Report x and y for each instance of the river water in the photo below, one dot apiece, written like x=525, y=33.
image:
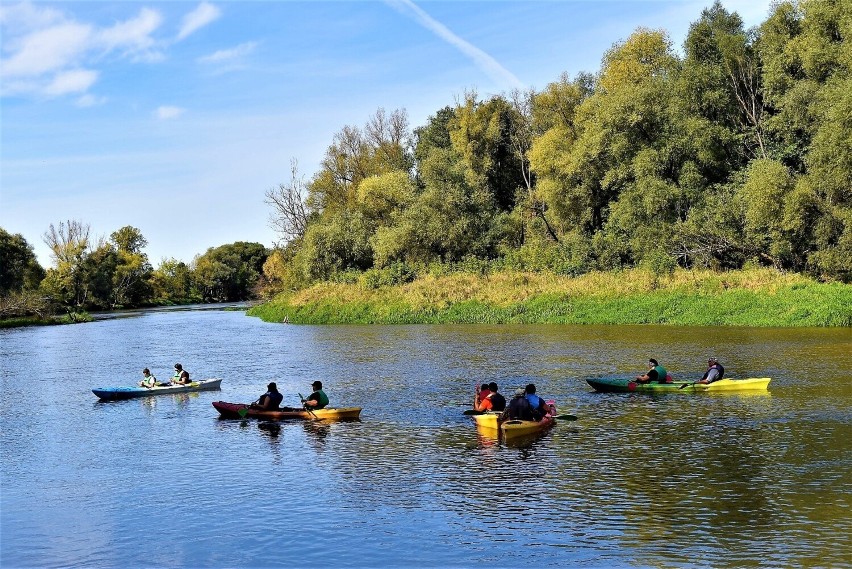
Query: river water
x=677, y=480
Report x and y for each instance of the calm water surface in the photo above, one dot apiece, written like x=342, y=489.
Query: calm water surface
x=679, y=480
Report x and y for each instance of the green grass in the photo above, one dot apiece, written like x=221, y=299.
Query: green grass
x=72, y=318
x=755, y=297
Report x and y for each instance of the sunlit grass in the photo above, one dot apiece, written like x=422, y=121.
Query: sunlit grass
x=754, y=297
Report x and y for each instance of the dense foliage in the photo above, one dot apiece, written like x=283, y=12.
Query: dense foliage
x=737, y=153
x=115, y=273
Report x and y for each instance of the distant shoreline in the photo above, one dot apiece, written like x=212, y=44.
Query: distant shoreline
x=751, y=297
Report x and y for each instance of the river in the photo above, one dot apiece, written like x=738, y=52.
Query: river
x=676, y=480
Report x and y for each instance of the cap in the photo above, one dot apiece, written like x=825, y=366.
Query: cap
x=712, y=359
x=317, y=383
x=520, y=391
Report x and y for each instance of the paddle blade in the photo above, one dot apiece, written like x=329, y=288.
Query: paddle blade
x=473, y=412
x=243, y=412
x=566, y=417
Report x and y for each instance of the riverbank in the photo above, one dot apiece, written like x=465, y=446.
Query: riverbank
x=756, y=297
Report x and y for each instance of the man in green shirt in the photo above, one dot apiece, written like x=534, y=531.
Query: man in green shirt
x=318, y=399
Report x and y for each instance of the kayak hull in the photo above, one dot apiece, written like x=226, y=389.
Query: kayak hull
x=513, y=427
x=622, y=385
x=243, y=411
x=118, y=393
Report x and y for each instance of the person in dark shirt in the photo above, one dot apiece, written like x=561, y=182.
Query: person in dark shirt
x=656, y=373
x=519, y=408
x=269, y=400
x=498, y=402
x=714, y=372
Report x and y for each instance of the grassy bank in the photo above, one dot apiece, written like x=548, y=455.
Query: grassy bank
x=72, y=318
x=758, y=297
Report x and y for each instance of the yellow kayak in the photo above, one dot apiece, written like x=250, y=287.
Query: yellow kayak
x=628, y=385
x=512, y=427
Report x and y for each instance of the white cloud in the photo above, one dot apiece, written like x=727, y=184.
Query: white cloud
x=76, y=81
x=134, y=34
x=198, y=18
x=485, y=62
x=228, y=55
x=167, y=112
x=47, y=53
x=47, y=50
x=89, y=100
x=26, y=17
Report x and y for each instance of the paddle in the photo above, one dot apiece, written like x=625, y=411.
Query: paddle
x=566, y=417
x=243, y=412
x=473, y=412
x=685, y=384
x=307, y=408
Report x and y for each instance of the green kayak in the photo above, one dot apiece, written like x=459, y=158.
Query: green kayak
x=622, y=385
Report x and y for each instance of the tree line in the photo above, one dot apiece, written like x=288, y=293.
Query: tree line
x=736, y=153
x=106, y=274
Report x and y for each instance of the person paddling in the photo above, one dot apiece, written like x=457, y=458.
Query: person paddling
x=498, y=402
x=714, y=372
x=519, y=408
x=482, y=398
x=316, y=400
x=269, y=400
x=148, y=380
x=656, y=373
x=181, y=376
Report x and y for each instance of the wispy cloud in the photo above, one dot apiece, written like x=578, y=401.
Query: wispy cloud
x=166, y=112
x=229, y=55
x=485, y=62
x=89, y=100
x=49, y=54
x=203, y=14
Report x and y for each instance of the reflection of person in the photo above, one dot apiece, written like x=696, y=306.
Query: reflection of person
x=181, y=376
x=318, y=399
x=519, y=408
x=656, y=373
x=269, y=400
x=148, y=380
x=714, y=372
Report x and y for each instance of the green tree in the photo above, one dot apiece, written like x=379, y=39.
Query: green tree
x=19, y=268
x=69, y=244
x=229, y=272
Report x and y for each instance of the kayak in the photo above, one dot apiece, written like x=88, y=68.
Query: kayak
x=622, y=385
x=243, y=411
x=512, y=427
x=115, y=393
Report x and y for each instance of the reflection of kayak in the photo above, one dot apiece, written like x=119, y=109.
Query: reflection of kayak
x=242, y=411
x=622, y=385
x=512, y=427
x=113, y=393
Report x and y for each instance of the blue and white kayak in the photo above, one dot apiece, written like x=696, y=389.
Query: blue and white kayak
x=114, y=393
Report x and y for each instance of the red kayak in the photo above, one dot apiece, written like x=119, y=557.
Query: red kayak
x=243, y=411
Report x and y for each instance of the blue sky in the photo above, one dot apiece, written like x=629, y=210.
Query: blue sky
x=177, y=117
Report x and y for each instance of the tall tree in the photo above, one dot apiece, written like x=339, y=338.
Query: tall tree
x=19, y=268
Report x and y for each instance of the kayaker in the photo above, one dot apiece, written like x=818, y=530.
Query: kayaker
x=148, y=380
x=181, y=376
x=498, y=402
x=269, y=400
x=539, y=407
x=714, y=372
x=656, y=373
x=519, y=408
x=318, y=399
x=482, y=398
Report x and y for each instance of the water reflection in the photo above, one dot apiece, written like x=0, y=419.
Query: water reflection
x=639, y=480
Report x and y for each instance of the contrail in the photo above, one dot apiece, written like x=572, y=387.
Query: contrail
x=485, y=62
